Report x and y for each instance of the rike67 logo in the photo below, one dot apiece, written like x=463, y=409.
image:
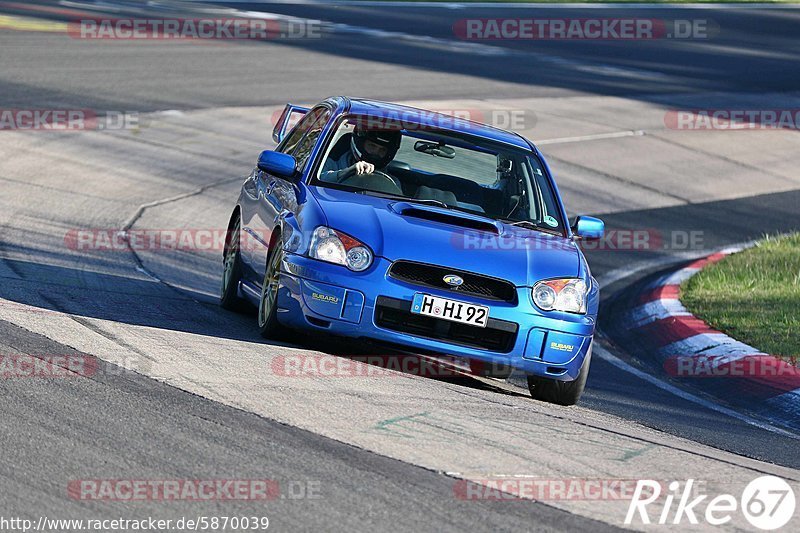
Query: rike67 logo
x=767, y=503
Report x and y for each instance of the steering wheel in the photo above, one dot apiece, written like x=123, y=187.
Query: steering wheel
x=364, y=181
x=383, y=175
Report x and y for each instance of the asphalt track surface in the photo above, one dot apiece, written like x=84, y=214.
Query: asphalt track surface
x=167, y=422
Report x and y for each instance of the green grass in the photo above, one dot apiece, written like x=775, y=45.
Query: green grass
x=753, y=296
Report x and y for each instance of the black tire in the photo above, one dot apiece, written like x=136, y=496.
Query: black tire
x=560, y=392
x=232, y=272
x=268, y=325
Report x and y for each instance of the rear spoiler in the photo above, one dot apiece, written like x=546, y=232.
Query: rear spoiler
x=282, y=125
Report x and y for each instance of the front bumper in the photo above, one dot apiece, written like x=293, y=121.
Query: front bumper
x=324, y=297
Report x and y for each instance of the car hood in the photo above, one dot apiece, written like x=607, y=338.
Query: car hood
x=396, y=229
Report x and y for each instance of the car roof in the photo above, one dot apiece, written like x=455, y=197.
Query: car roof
x=361, y=106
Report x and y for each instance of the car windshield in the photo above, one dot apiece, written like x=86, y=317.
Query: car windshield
x=444, y=168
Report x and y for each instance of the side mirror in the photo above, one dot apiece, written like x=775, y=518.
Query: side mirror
x=588, y=228
x=277, y=164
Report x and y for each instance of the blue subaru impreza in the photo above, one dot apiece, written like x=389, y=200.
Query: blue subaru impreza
x=419, y=230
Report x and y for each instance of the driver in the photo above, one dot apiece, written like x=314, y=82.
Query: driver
x=370, y=150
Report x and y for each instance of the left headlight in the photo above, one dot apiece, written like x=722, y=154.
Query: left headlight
x=339, y=248
x=568, y=295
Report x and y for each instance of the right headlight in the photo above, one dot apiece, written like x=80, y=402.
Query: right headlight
x=568, y=295
x=339, y=248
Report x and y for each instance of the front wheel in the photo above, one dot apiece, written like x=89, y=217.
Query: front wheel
x=268, y=324
x=232, y=272
x=560, y=392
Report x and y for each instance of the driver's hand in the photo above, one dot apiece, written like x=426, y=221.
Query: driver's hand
x=362, y=167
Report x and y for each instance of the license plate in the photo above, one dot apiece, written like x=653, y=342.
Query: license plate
x=474, y=315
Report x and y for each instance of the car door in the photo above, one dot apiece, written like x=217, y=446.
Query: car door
x=275, y=195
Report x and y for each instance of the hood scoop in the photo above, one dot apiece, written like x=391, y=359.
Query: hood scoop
x=445, y=216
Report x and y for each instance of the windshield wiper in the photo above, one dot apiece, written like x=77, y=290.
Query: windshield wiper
x=426, y=201
x=380, y=194
x=430, y=201
x=529, y=224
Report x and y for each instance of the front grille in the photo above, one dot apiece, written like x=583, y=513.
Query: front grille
x=474, y=284
x=498, y=335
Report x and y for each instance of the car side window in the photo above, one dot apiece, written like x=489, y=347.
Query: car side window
x=296, y=133
x=313, y=120
x=300, y=129
x=303, y=149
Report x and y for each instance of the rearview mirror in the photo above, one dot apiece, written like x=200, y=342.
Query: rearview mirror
x=277, y=164
x=588, y=228
x=435, y=149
